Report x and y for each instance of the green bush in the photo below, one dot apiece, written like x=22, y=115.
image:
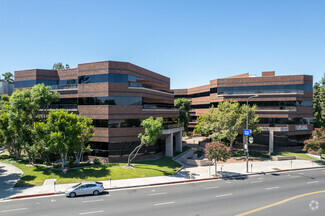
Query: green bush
x=199, y=153
x=97, y=161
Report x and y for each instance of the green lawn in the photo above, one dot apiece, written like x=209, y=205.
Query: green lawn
x=240, y=153
x=35, y=175
x=298, y=154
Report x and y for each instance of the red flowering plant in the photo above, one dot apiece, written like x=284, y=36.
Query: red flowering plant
x=216, y=151
x=317, y=142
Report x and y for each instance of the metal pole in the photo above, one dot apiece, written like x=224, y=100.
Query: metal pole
x=247, y=136
x=110, y=181
x=247, y=128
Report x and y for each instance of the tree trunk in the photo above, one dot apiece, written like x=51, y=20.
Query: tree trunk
x=215, y=168
x=135, y=152
x=63, y=159
x=231, y=144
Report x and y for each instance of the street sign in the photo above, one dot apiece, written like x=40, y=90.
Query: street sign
x=250, y=139
x=247, y=132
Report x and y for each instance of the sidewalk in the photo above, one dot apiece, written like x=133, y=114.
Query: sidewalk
x=198, y=173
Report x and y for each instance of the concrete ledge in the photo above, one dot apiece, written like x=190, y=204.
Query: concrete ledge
x=279, y=158
x=197, y=162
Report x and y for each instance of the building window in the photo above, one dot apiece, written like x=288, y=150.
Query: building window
x=111, y=100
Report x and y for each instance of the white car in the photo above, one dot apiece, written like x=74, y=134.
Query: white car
x=85, y=188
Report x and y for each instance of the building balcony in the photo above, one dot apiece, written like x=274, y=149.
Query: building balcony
x=153, y=89
x=276, y=109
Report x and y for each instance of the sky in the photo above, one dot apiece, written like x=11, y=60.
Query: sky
x=190, y=41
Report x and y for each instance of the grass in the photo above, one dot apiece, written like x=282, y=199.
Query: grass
x=35, y=175
x=185, y=148
x=199, y=153
x=240, y=153
x=298, y=154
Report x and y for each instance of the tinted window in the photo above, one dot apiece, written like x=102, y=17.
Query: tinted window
x=110, y=77
x=265, y=89
x=110, y=100
x=31, y=83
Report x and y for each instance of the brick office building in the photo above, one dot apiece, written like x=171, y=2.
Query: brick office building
x=285, y=105
x=117, y=96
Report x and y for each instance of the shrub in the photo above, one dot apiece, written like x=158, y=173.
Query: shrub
x=97, y=161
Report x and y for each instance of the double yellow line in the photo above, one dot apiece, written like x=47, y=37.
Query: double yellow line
x=280, y=202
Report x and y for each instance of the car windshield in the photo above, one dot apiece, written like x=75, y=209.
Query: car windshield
x=76, y=185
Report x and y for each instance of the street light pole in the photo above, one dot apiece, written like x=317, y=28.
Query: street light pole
x=246, y=149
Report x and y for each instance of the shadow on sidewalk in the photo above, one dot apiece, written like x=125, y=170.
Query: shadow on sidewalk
x=226, y=175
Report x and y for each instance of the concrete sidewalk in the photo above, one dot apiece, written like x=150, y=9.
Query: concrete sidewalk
x=198, y=173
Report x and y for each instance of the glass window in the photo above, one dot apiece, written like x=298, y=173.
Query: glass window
x=111, y=100
x=109, y=77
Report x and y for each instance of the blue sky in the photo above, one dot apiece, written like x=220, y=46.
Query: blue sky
x=191, y=42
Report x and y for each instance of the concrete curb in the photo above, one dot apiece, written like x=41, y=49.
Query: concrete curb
x=174, y=182
x=275, y=171
x=31, y=195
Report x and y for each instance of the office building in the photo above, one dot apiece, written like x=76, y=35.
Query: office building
x=117, y=96
x=285, y=106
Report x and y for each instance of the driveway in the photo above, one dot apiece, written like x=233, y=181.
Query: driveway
x=9, y=175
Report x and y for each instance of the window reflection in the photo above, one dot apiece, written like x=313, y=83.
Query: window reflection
x=110, y=100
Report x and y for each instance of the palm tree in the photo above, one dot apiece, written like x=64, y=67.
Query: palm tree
x=8, y=78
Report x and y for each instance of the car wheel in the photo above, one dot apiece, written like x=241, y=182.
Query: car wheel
x=73, y=194
x=96, y=192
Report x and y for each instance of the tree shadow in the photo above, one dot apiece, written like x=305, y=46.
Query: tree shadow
x=82, y=173
x=22, y=182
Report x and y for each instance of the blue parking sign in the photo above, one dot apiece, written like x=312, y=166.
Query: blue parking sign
x=247, y=132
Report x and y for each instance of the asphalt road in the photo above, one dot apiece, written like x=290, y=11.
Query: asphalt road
x=290, y=193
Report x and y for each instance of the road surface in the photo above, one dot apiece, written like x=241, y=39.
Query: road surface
x=285, y=193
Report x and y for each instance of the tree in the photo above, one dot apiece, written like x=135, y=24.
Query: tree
x=62, y=130
x=60, y=66
x=85, y=132
x=43, y=97
x=7, y=135
x=318, y=118
x=216, y=151
x=184, y=106
x=8, y=78
x=153, y=129
x=66, y=133
x=230, y=118
x=19, y=113
x=317, y=142
x=208, y=125
x=227, y=121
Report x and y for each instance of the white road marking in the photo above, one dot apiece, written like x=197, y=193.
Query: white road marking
x=228, y=182
x=253, y=182
x=207, y=188
x=94, y=212
x=301, y=173
x=260, y=178
x=222, y=195
x=294, y=176
x=312, y=182
x=10, y=210
x=271, y=188
x=89, y=201
x=166, y=203
x=158, y=194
